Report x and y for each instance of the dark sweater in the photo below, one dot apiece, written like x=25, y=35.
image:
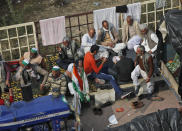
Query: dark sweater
x=124, y=67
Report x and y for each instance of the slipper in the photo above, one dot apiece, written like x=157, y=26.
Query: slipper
x=119, y=109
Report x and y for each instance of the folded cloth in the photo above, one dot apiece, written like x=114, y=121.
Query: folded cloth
x=108, y=14
x=134, y=10
x=121, y=9
x=52, y=30
x=135, y=40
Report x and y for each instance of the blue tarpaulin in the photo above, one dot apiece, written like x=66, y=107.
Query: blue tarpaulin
x=39, y=110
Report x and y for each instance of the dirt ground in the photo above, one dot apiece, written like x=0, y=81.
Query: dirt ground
x=34, y=10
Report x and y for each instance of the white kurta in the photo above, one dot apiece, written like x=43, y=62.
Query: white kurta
x=150, y=85
x=87, y=42
x=145, y=43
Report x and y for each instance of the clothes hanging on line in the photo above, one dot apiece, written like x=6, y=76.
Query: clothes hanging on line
x=134, y=10
x=52, y=30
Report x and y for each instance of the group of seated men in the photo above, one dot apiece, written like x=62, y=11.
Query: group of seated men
x=114, y=67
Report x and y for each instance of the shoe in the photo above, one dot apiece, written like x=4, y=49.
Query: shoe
x=97, y=111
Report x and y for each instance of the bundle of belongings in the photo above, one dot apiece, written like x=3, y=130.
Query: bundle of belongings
x=174, y=65
x=164, y=120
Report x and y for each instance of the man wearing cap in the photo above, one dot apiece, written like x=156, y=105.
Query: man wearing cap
x=57, y=82
x=34, y=57
x=32, y=73
x=150, y=39
x=67, y=53
x=130, y=29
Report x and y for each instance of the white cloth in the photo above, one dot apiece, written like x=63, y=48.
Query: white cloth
x=70, y=67
x=104, y=96
x=160, y=3
x=134, y=10
x=52, y=30
x=87, y=42
x=76, y=99
x=145, y=43
x=102, y=53
x=118, y=47
x=135, y=40
x=135, y=48
x=134, y=76
x=115, y=59
x=108, y=14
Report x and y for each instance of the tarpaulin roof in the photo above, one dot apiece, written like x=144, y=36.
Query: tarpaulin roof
x=164, y=120
x=36, y=111
x=173, y=19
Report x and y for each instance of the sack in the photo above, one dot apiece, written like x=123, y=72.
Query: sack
x=104, y=96
x=27, y=92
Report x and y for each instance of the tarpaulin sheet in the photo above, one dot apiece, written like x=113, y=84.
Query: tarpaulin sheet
x=35, y=111
x=165, y=120
x=173, y=19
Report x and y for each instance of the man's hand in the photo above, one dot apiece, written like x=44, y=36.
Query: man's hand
x=111, y=44
x=147, y=80
x=104, y=60
x=10, y=92
x=150, y=52
x=41, y=86
x=59, y=49
x=7, y=83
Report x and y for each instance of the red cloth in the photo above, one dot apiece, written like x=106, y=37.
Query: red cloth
x=10, y=100
x=90, y=64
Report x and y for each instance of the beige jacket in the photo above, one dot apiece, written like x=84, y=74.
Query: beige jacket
x=125, y=31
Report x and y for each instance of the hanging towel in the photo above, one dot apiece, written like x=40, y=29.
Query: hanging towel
x=52, y=30
x=121, y=9
x=160, y=3
x=134, y=10
x=108, y=14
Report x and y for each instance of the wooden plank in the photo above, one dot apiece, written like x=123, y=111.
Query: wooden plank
x=167, y=74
